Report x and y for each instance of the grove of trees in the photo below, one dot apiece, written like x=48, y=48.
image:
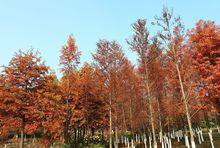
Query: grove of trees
x=175, y=86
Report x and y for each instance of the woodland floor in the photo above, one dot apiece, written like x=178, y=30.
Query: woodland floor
x=205, y=144
x=175, y=144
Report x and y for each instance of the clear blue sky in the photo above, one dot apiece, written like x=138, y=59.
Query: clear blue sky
x=45, y=24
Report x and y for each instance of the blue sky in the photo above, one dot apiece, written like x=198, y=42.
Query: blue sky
x=45, y=24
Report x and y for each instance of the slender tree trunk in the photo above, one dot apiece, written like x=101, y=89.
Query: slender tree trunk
x=185, y=101
x=130, y=116
x=160, y=120
x=22, y=131
x=116, y=137
x=116, y=131
x=84, y=131
x=144, y=129
x=67, y=122
x=206, y=119
x=151, y=116
x=75, y=134
x=116, y=127
x=168, y=117
x=66, y=130
x=79, y=133
x=102, y=135
x=124, y=120
x=146, y=81
x=110, y=121
x=152, y=125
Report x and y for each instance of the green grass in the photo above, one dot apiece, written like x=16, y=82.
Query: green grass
x=96, y=146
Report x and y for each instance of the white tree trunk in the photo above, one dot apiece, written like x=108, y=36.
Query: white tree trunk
x=210, y=137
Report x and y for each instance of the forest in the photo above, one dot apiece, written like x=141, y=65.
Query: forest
x=170, y=98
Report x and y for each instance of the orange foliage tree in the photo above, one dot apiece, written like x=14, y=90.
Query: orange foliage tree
x=21, y=79
x=204, y=41
x=140, y=44
x=93, y=99
x=109, y=59
x=69, y=60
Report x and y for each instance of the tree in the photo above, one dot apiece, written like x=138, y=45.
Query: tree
x=204, y=42
x=92, y=99
x=140, y=44
x=22, y=78
x=69, y=60
x=130, y=103
x=51, y=107
x=173, y=37
x=109, y=58
x=157, y=77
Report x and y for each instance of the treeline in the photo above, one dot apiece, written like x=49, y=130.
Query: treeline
x=176, y=85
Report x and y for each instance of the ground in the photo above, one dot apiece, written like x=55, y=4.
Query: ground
x=206, y=144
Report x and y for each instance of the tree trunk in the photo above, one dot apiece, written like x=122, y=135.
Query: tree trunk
x=146, y=83
x=66, y=130
x=102, y=135
x=22, y=132
x=116, y=127
x=124, y=120
x=151, y=116
x=152, y=126
x=110, y=121
x=67, y=122
x=79, y=133
x=116, y=137
x=160, y=121
x=206, y=119
x=83, y=133
x=75, y=132
x=186, y=108
x=130, y=116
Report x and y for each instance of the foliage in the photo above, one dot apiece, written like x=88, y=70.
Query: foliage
x=176, y=82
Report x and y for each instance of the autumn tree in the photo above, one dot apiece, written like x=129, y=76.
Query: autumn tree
x=109, y=58
x=157, y=76
x=140, y=44
x=92, y=99
x=22, y=78
x=69, y=60
x=51, y=108
x=204, y=41
x=131, y=108
x=172, y=36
